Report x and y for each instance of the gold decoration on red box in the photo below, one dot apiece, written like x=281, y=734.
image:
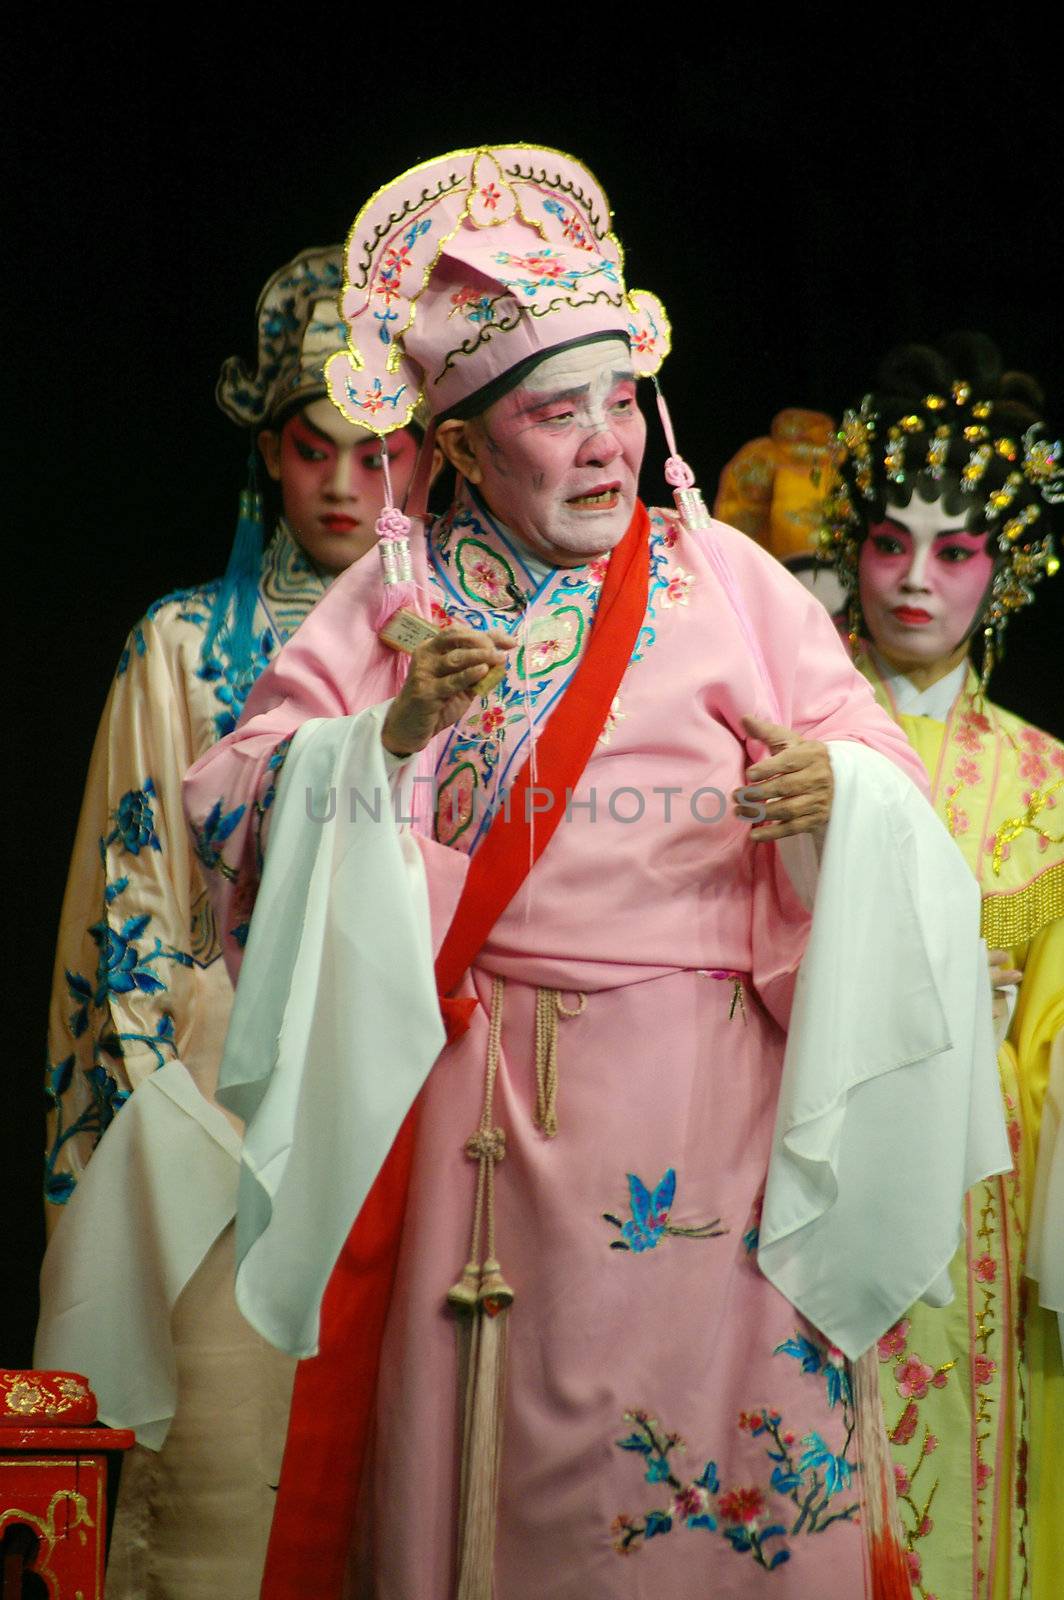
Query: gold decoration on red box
x=56, y=1397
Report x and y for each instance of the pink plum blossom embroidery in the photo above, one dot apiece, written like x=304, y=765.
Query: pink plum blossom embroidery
x=986, y=1269
x=969, y=734
x=913, y=1377
x=983, y=1370
x=966, y=771
x=906, y=1425
x=1033, y=768
x=893, y=1341
x=677, y=589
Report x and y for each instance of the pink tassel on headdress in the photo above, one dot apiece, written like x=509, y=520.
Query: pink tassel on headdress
x=695, y=518
x=678, y=475
x=400, y=623
x=393, y=547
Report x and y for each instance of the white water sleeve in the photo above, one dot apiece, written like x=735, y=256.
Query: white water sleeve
x=889, y=1106
x=109, y=1285
x=336, y=1022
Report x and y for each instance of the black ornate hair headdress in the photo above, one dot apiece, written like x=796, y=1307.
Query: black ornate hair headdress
x=1009, y=481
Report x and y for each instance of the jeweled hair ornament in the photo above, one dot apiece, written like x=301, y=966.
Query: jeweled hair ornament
x=1011, y=486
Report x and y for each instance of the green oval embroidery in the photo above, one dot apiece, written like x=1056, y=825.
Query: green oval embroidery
x=455, y=803
x=553, y=642
x=484, y=575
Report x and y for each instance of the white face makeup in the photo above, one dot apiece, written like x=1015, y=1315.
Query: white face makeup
x=558, y=457
x=922, y=579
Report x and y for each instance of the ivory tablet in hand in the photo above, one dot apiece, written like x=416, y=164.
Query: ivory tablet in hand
x=405, y=630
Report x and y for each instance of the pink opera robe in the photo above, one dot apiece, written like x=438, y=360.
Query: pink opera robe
x=672, y=1425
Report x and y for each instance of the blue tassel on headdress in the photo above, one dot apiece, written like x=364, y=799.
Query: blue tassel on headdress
x=234, y=604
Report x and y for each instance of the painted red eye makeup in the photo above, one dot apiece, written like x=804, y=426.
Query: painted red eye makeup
x=309, y=439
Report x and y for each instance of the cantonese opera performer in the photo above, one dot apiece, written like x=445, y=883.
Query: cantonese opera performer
x=139, y=1154
x=940, y=528
x=599, y=1250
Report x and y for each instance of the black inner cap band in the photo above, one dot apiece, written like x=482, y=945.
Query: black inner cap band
x=478, y=402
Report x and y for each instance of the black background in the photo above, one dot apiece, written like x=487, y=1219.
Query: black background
x=799, y=204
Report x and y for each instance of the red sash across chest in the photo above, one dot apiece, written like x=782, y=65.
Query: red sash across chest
x=333, y=1399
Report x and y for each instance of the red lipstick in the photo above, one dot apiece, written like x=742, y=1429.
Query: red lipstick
x=911, y=615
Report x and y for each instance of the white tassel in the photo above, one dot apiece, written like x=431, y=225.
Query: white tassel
x=481, y=1454
x=884, y=1537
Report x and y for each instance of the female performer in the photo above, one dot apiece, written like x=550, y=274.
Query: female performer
x=941, y=528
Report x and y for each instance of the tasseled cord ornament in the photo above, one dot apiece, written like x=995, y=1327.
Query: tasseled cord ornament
x=399, y=593
x=678, y=475
x=238, y=591
x=692, y=512
x=888, y=1564
x=482, y=1298
x=400, y=624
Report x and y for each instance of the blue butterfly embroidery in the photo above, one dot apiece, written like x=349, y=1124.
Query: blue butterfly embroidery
x=649, y=1221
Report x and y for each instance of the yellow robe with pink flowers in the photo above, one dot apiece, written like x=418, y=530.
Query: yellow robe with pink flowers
x=975, y=1394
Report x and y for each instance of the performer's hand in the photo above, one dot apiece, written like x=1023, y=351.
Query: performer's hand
x=795, y=781
x=441, y=685
x=1003, y=975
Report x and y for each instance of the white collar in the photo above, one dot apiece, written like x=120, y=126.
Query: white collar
x=936, y=701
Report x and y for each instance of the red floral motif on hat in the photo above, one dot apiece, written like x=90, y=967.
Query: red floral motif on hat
x=422, y=241
x=543, y=263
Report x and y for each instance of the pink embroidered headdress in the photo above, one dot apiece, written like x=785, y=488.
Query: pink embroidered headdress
x=467, y=267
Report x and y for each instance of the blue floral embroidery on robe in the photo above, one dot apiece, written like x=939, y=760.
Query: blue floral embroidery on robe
x=134, y=822
x=211, y=837
x=807, y=1473
x=231, y=688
